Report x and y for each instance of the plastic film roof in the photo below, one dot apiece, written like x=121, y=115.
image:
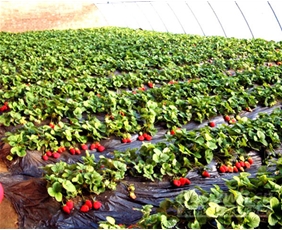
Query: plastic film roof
x=240, y=19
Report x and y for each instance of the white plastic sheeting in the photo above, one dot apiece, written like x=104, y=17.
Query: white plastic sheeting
x=229, y=18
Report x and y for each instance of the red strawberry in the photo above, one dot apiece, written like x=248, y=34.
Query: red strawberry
x=212, y=124
x=151, y=84
x=3, y=108
x=97, y=204
x=247, y=164
x=177, y=183
x=84, y=146
x=92, y=146
x=124, y=140
x=147, y=136
x=52, y=125
x=45, y=157
x=182, y=181
x=172, y=82
x=66, y=209
x=250, y=160
x=1, y=193
x=60, y=150
x=227, y=118
x=237, y=164
x=141, y=138
x=84, y=208
x=56, y=155
x=49, y=153
x=88, y=203
x=69, y=203
x=72, y=150
x=205, y=173
x=101, y=148
x=235, y=169
x=222, y=169
x=77, y=151
x=172, y=132
x=230, y=169
x=187, y=181
x=97, y=144
x=242, y=163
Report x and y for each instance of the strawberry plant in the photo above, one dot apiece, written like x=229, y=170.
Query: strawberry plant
x=68, y=180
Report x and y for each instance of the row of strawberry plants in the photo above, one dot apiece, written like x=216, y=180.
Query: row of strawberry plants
x=133, y=80
x=248, y=203
x=186, y=150
x=35, y=94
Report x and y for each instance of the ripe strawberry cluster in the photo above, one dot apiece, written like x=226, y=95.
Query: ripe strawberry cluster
x=68, y=206
x=180, y=182
x=4, y=107
x=88, y=205
x=239, y=166
x=144, y=136
x=126, y=140
x=96, y=145
x=55, y=154
x=73, y=150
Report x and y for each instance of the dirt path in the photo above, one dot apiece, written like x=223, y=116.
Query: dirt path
x=25, y=15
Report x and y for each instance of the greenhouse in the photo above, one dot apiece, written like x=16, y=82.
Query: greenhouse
x=140, y=114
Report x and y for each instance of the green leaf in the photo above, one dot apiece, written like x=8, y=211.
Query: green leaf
x=272, y=219
x=274, y=202
x=252, y=220
x=55, y=191
x=214, y=210
x=78, y=113
x=111, y=220
x=168, y=223
x=68, y=135
x=19, y=151
x=194, y=225
x=191, y=200
x=211, y=145
x=68, y=185
x=208, y=156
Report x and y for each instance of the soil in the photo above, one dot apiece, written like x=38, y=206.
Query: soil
x=26, y=15
x=34, y=15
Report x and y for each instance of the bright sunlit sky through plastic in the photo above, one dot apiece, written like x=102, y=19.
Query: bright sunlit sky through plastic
x=229, y=18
